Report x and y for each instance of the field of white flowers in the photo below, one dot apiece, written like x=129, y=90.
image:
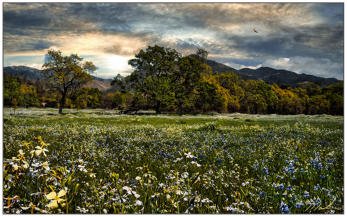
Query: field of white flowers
x=96, y=161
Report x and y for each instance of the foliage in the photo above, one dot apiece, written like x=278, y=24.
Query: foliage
x=165, y=81
x=86, y=97
x=66, y=73
x=153, y=71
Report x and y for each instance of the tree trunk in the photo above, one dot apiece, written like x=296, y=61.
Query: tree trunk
x=62, y=103
x=157, y=107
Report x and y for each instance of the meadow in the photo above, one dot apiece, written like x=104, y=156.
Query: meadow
x=96, y=161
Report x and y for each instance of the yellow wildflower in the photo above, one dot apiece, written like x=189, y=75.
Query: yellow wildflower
x=56, y=198
x=40, y=150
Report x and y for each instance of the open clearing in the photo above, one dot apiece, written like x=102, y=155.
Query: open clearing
x=96, y=161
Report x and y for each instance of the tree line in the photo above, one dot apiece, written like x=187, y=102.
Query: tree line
x=165, y=81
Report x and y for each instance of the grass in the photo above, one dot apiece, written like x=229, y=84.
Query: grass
x=102, y=162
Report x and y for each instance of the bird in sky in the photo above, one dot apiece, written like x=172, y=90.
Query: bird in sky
x=255, y=30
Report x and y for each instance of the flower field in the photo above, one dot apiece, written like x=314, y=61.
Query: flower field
x=95, y=161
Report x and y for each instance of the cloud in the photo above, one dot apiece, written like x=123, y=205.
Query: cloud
x=281, y=63
x=251, y=67
x=30, y=61
x=83, y=44
x=322, y=67
x=311, y=32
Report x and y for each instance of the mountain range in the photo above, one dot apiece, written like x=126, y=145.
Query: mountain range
x=32, y=74
x=267, y=74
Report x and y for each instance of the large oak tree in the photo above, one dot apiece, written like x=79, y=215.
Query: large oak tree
x=66, y=73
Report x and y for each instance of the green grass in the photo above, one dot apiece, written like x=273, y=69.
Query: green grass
x=230, y=163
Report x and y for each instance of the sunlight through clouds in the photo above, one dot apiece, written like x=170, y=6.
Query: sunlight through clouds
x=247, y=34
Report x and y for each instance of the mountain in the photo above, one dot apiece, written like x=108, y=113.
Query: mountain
x=284, y=77
x=32, y=74
x=23, y=72
x=267, y=74
x=100, y=83
x=270, y=75
x=219, y=67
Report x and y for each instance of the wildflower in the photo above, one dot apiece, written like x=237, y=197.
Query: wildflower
x=15, y=167
x=138, y=178
x=262, y=194
x=56, y=198
x=179, y=192
x=82, y=210
x=189, y=155
x=289, y=188
x=35, y=164
x=26, y=208
x=285, y=193
x=299, y=205
x=135, y=194
x=231, y=208
x=193, y=162
x=25, y=164
x=42, y=142
x=45, y=165
x=206, y=200
x=128, y=189
x=138, y=203
x=285, y=170
x=27, y=145
x=309, y=202
x=39, y=150
x=317, y=201
x=306, y=194
x=21, y=152
x=92, y=175
x=177, y=159
x=245, y=183
x=284, y=208
x=291, y=168
x=82, y=168
x=105, y=211
x=256, y=165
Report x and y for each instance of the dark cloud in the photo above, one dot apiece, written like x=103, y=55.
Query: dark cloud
x=38, y=45
x=317, y=42
x=32, y=18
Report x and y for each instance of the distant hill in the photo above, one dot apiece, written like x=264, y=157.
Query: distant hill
x=270, y=75
x=23, y=72
x=267, y=74
x=32, y=74
x=284, y=77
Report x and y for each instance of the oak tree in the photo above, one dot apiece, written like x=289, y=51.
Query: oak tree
x=66, y=74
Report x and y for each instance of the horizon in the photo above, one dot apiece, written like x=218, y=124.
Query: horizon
x=305, y=38
x=110, y=78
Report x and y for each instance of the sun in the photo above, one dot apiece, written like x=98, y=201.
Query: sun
x=117, y=63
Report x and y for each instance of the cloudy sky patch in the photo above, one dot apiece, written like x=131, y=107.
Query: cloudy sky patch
x=301, y=37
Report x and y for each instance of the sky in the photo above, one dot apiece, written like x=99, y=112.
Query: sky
x=300, y=37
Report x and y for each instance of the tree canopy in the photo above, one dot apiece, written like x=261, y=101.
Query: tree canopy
x=66, y=73
x=165, y=81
